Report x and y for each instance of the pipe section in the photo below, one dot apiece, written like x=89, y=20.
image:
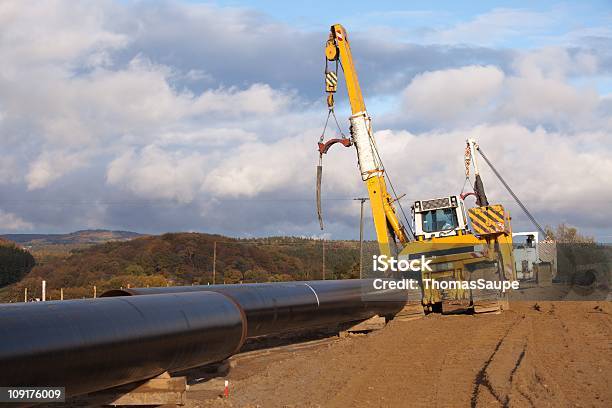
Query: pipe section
x=95, y=344
x=275, y=308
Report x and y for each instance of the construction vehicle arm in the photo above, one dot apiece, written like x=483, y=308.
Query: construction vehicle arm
x=386, y=221
x=479, y=192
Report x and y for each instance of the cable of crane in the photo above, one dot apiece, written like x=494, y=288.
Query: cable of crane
x=397, y=199
x=375, y=148
x=518, y=201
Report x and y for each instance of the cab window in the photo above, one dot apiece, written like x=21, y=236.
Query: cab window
x=443, y=219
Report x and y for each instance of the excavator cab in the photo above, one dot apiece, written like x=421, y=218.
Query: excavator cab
x=439, y=217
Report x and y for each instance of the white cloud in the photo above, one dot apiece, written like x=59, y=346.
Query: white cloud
x=256, y=168
x=258, y=99
x=212, y=137
x=12, y=222
x=494, y=26
x=154, y=173
x=541, y=90
x=50, y=166
x=537, y=93
x=40, y=33
x=551, y=172
x=554, y=63
x=138, y=102
x=452, y=94
x=547, y=101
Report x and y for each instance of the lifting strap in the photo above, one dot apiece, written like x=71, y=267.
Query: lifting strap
x=319, y=176
x=323, y=148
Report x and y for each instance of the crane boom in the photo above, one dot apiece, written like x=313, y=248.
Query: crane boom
x=386, y=221
x=458, y=245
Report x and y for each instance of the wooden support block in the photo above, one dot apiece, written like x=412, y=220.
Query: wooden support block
x=455, y=306
x=412, y=311
x=156, y=391
x=161, y=390
x=373, y=323
x=487, y=306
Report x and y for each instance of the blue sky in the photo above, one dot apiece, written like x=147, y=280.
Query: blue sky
x=551, y=19
x=177, y=115
x=438, y=14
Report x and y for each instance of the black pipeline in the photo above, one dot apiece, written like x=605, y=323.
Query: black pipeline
x=95, y=344
x=274, y=308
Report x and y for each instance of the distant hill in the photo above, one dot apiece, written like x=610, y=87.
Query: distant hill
x=77, y=237
x=187, y=258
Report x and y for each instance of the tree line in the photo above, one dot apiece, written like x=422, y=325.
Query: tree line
x=185, y=259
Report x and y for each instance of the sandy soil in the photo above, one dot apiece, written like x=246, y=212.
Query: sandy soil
x=549, y=354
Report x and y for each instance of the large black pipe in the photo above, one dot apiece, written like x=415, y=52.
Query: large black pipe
x=274, y=308
x=95, y=344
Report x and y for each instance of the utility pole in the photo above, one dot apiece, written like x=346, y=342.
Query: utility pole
x=323, y=243
x=362, y=200
x=214, y=262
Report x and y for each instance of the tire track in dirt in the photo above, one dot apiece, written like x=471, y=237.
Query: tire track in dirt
x=498, y=372
x=556, y=356
x=572, y=338
x=482, y=378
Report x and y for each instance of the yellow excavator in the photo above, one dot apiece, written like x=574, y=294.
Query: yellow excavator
x=461, y=244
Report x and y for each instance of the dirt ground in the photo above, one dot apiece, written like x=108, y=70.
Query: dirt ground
x=545, y=354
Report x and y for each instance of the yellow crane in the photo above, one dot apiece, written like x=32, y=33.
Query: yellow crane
x=372, y=171
x=462, y=245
